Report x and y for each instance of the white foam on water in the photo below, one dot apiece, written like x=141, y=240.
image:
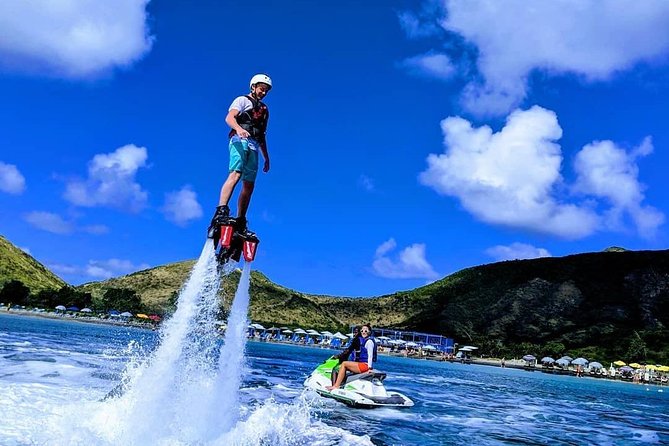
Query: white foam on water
x=187, y=392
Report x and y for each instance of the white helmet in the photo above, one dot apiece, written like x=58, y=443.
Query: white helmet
x=265, y=79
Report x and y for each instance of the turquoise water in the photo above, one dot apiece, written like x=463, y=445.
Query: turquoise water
x=51, y=369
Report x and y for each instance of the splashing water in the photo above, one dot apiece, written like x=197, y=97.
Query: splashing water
x=188, y=390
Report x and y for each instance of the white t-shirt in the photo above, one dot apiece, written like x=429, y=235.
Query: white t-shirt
x=242, y=104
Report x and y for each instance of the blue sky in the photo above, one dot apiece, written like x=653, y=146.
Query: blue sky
x=408, y=140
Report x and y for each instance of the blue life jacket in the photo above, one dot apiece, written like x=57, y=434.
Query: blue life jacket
x=363, y=350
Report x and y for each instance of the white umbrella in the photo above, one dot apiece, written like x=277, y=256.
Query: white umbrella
x=412, y=344
x=562, y=362
x=126, y=314
x=61, y=308
x=547, y=359
x=287, y=331
x=596, y=365
x=299, y=331
x=339, y=336
x=529, y=358
x=327, y=334
x=429, y=347
x=313, y=332
x=86, y=310
x=580, y=361
x=568, y=358
x=383, y=338
x=257, y=326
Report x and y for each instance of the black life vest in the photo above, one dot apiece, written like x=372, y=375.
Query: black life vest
x=254, y=120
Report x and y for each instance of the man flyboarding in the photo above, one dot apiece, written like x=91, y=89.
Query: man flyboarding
x=247, y=118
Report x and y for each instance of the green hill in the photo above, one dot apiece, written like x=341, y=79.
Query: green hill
x=16, y=264
x=601, y=305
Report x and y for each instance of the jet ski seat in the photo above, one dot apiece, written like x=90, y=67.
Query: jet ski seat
x=366, y=375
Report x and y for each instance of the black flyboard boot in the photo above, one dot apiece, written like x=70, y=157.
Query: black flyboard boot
x=222, y=212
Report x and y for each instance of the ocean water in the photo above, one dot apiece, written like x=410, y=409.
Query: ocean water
x=64, y=382
x=54, y=375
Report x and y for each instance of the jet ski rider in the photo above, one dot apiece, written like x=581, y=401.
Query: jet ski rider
x=364, y=361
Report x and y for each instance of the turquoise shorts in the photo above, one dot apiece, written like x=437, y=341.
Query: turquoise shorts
x=243, y=159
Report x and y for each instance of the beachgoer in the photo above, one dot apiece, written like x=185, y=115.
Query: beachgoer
x=352, y=352
x=365, y=360
x=247, y=117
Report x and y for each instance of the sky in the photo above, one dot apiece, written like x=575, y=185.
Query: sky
x=408, y=139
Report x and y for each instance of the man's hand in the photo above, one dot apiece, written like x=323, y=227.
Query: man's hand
x=265, y=168
x=242, y=133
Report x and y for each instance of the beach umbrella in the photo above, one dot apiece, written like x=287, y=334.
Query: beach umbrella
x=340, y=336
x=313, y=332
x=619, y=363
x=548, y=360
x=568, y=358
x=61, y=308
x=327, y=334
x=635, y=365
x=73, y=308
x=126, y=314
x=257, y=326
x=412, y=344
x=663, y=368
x=579, y=361
x=529, y=358
x=287, y=331
x=273, y=329
x=469, y=348
x=154, y=317
x=140, y=315
x=562, y=362
x=651, y=367
x=625, y=368
x=114, y=312
x=596, y=365
x=429, y=347
x=86, y=310
x=299, y=331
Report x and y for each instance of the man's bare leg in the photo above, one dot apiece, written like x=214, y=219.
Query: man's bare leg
x=244, y=198
x=229, y=187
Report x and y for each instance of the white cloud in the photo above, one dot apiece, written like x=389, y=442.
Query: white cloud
x=182, y=206
x=111, y=181
x=73, y=38
x=96, y=229
x=98, y=269
x=513, y=177
x=54, y=223
x=62, y=269
x=11, y=180
x=366, y=183
x=105, y=269
x=508, y=178
x=609, y=172
x=516, y=251
x=50, y=222
x=593, y=39
x=410, y=263
x=435, y=65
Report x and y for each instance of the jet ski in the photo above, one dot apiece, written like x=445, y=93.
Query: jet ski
x=364, y=390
